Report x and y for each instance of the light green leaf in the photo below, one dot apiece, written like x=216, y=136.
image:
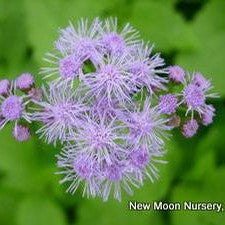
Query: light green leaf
x=39, y=211
x=209, y=28
x=13, y=38
x=22, y=164
x=9, y=201
x=112, y=212
x=159, y=23
x=210, y=190
x=44, y=17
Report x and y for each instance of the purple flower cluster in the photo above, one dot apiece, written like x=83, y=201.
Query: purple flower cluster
x=110, y=102
x=113, y=152
x=111, y=142
x=15, y=96
x=192, y=99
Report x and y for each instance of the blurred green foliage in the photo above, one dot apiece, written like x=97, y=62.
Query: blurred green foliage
x=188, y=32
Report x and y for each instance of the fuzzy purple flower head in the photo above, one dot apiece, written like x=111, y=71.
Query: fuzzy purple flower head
x=13, y=107
x=4, y=87
x=176, y=73
x=25, y=81
x=207, y=116
x=168, y=103
x=60, y=111
x=21, y=133
x=190, y=128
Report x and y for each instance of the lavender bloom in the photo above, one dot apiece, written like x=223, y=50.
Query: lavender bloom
x=176, y=73
x=147, y=127
x=98, y=137
x=168, y=104
x=104, y=107
x=69, y=66
x=117, y=178
x=79, y=168
x=145, y=69
x=141, y=163
x=64, y=68
x=21, y=133
x=194, y=98
x=207, y=116
x=190, y=128
x=200, y=81
x=99, y=178
x=83, y=40
x=111, y=80
x=4, y=87
x=139, y=158
x=117, y=42
x=195, y=95
x=73, y=48
x=60, y=111
x=25, y=81
x=13, y=107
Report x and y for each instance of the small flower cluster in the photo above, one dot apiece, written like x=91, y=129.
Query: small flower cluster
x=111, y=103
x=15, y=98
x=196, y=90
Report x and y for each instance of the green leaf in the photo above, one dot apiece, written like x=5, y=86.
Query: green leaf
x=39, y=211
x=208, y=151
x=211, y=190
x=202, y=167
x=112, y=212
x=159, y=23
x=13, y=38
x=9, y=202
x=22, y=165
x=44, y=17
x=209, y=28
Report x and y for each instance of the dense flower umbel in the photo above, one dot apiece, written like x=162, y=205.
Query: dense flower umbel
x=120, y=139
x=110, y=103
x=94, y=156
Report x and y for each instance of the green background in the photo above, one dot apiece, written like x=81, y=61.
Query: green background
x=187, y=32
